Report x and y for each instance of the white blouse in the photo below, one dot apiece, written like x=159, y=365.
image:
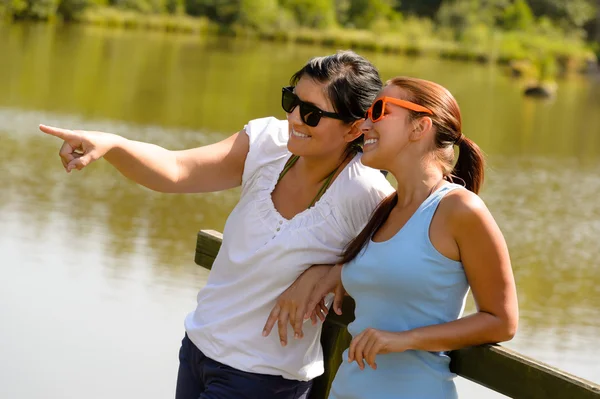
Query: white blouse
x=263, y=254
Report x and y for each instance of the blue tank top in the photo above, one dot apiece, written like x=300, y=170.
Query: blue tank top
x=398, y=285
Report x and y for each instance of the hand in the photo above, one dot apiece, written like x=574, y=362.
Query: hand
x=371, y=342
x=291, y=304
x=331, y=283
x=80, y=148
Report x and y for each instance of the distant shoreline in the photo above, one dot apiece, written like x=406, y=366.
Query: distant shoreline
x=504, y=48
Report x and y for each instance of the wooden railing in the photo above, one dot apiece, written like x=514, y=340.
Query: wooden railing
x=492, y=366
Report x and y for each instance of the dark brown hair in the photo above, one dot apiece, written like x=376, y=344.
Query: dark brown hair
x=448, y=132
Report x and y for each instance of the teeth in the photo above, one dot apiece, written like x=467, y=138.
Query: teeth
x=301, y=135
x=370, y=141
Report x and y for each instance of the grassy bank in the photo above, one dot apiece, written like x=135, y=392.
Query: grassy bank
x=413, y=36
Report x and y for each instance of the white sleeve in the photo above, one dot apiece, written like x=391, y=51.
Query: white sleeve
x=361, y=197
x=268, y=142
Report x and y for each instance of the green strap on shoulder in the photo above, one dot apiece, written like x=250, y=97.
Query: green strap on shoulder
x=288, y=165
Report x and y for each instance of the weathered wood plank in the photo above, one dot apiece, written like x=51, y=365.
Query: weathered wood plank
x=207, y=247
x=492, y=366
x=518, y=376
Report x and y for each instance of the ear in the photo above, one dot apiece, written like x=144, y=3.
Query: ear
x=421, y=127
x=354, y=132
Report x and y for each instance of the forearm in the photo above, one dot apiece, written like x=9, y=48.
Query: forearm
x=146, y=164
x=477, y=329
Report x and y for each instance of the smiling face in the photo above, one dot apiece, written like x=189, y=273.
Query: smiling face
x=396, y=135
x=330, y=136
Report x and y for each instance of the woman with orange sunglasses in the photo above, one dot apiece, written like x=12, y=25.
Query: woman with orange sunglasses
x=305, y=195
x=410, y=268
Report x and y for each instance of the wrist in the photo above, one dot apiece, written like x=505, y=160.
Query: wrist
x=412, y=339
x=318, y=270
x=115, y=142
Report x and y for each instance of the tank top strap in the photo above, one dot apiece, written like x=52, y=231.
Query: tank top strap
x=425, y=213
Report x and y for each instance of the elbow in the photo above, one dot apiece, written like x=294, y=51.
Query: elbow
x=501, y=328
x=506, y=330
x=508, y=333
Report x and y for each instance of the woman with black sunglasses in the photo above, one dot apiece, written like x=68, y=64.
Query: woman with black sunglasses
x=411, y=267
x=305, y=195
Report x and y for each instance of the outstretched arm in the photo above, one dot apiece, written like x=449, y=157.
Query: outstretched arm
x=213, y=167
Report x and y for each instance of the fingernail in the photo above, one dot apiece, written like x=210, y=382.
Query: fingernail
x=264, y=333
x=283, y=343
x=296, y=335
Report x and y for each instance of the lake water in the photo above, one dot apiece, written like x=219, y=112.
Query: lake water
x=97, y=274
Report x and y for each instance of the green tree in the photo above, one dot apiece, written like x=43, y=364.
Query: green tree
x=68, y=9
x=42, y=9
x=462, y=15
x=342, y=9
x=312, y=13
x=364, y=13
x=569, y=13
x=424, y=8
x=598, y=21
x=259, y=13
x=224, y=12
x=14, y=8
x=518, y=16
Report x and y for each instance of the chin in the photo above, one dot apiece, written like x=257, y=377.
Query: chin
x=369, y=160
x=373, y=163
x=300, y=149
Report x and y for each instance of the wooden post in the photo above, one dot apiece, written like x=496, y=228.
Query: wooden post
x=492, y=366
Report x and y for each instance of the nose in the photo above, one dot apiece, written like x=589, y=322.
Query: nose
x=366, y=125
x=294, y=116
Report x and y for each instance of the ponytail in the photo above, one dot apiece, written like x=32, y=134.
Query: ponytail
x=470, y=164
x=380, y=215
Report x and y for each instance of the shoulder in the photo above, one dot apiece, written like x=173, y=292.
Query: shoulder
x=359, y=179
x=358, y=193
x=269, y=129
x=463, y=209
x=268, y=138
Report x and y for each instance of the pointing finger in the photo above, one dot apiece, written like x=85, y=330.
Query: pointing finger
x=63, y=134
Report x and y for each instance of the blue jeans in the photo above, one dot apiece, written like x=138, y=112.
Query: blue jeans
x=200, y=377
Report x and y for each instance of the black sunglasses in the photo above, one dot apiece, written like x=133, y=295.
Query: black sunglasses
x=310, y=114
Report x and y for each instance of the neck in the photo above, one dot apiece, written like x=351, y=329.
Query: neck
x=316, y=169
x=416, y=182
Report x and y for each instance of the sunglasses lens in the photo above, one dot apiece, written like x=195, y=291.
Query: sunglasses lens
x=377, y=110
x=288, y=101
x=309, y=115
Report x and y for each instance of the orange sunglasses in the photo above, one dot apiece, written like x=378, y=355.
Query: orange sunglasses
x=375, y=112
